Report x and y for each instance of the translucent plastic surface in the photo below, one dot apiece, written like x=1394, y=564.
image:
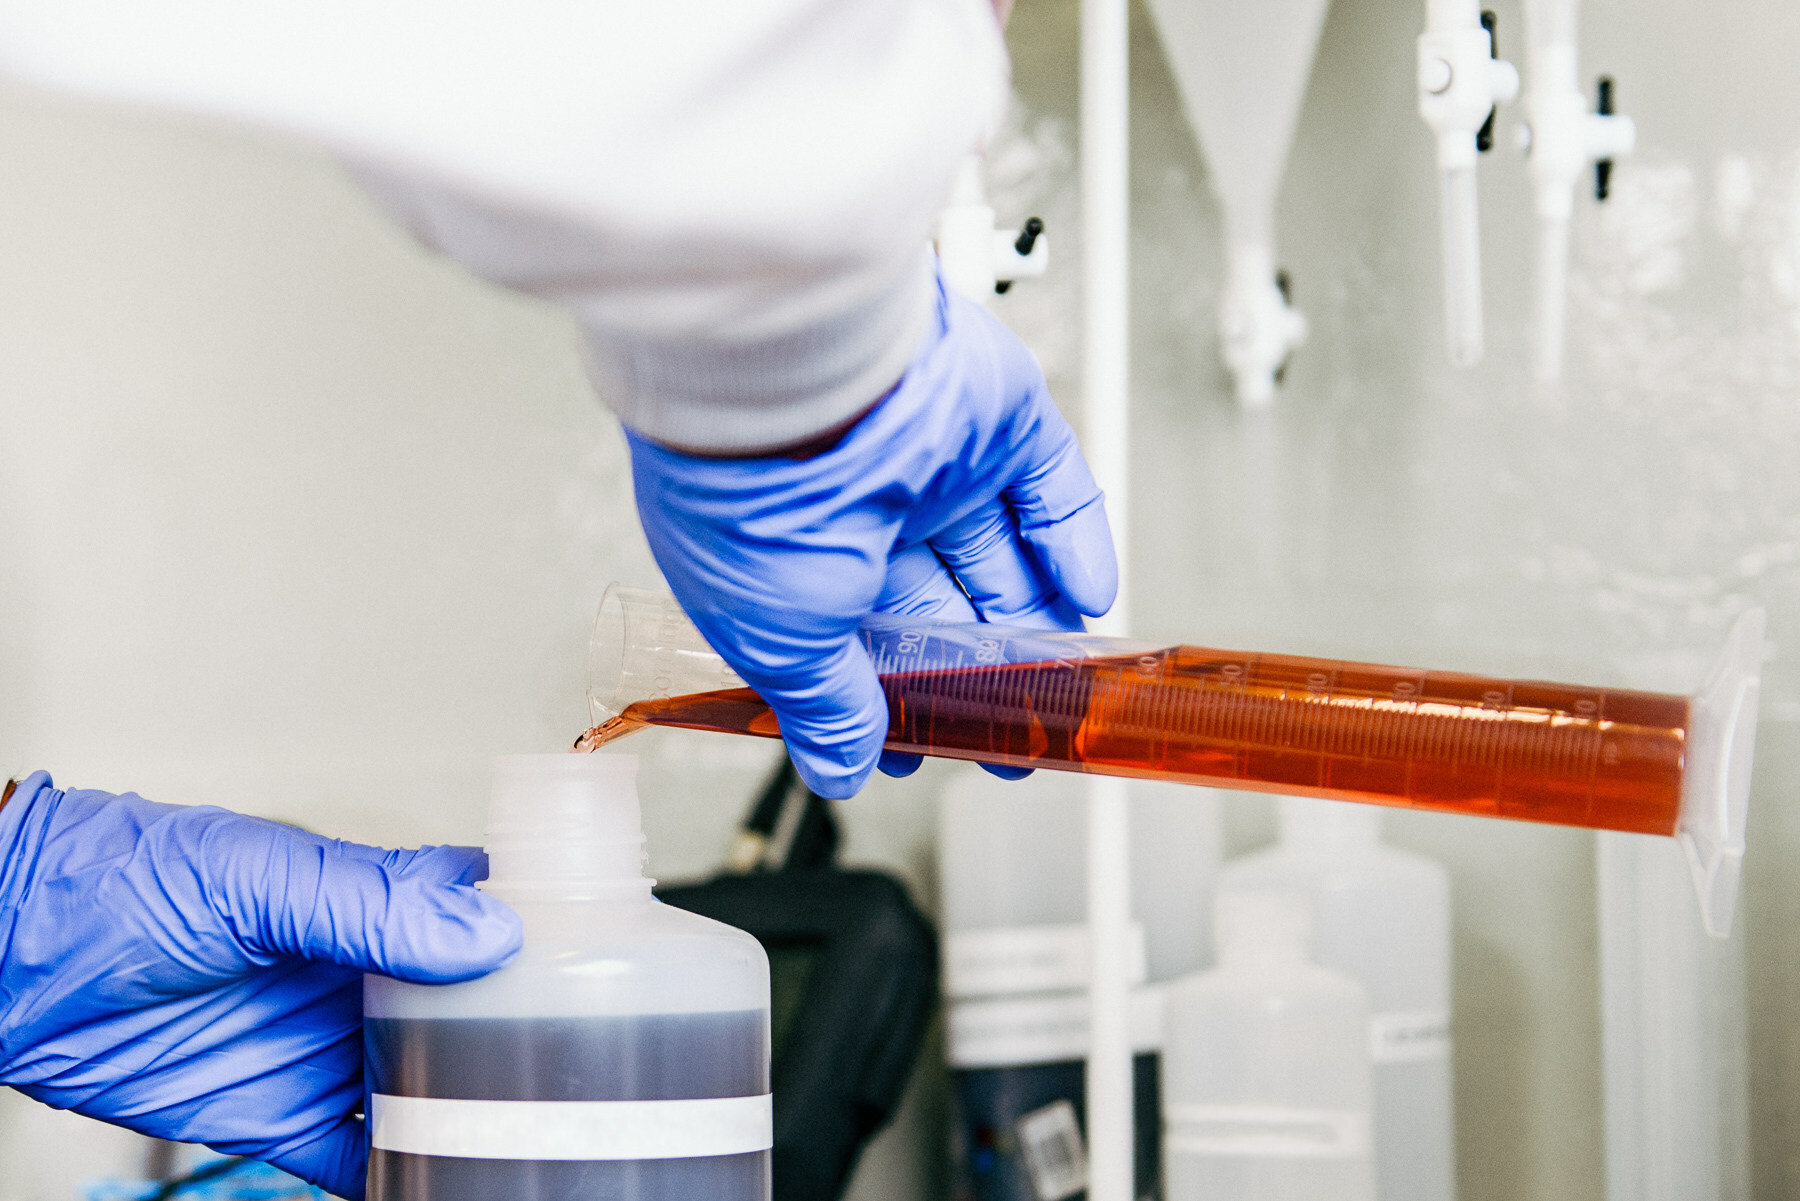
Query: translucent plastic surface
x=1265, y=1073
x=1672, y=1014
x=1010, y=853
x=614, y=997
x=1176, y=848
x=1382, y=917
x=1551, y=283
x=1461, y=222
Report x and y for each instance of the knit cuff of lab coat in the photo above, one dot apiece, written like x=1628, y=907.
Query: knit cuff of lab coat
x=766, y=388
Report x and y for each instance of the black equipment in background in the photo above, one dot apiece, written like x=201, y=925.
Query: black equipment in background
x=854, y=974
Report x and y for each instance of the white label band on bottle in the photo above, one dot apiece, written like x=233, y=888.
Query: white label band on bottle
x=571, y=1130
x=1008, y=960
x=1266, y=1132
x=1409, y=1037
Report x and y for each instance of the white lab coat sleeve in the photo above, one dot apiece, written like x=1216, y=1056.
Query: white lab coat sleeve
x=733, y=196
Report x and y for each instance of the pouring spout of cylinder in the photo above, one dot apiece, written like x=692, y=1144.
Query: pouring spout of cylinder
x=1715, y=791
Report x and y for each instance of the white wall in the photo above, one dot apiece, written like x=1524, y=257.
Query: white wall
x=295, y=519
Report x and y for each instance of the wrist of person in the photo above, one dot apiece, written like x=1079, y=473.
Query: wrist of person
x=16, y=800
x=802, y=380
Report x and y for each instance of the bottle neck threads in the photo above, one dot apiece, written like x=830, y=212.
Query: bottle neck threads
x=565, y=828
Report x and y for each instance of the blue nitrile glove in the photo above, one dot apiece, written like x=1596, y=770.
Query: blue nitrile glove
x=963, y=480
x=196, y=974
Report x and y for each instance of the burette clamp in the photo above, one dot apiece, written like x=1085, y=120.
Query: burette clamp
x=979, y=259
x=1460, y=82
x=1715, y=783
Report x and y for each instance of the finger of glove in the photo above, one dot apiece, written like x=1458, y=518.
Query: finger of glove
x=919, y=585
x=833, y=716
x=337, y=1162
x=333, y=902
x=1006, y=771
x=899, y=764
x=999, y=573
x=776, y=573
x=1061, y=515
x=816, y=677
x=1077, y=552
x=445, y=865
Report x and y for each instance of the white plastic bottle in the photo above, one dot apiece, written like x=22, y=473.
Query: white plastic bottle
x=1012, y=868
x=1381, y=915
x=623, y=1053
x=1265, y=1067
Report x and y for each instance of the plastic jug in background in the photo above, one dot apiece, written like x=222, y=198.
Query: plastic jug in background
x=1382, y=916
x=1266, y=1089
x=1012, y=876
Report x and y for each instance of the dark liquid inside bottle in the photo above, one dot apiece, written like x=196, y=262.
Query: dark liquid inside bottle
x=651, y=1057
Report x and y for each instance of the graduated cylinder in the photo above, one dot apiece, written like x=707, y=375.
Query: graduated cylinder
x=1603, y=758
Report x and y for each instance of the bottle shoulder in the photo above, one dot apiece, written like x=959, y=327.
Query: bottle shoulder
x=1285, y=980
x=575, y=925
x=579, y=960
x=1381, y=865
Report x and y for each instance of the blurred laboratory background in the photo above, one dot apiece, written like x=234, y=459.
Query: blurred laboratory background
x=297, y=519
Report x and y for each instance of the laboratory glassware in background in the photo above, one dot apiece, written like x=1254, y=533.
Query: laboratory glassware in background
x=1382, y=917
x=625, y=1051
x=1601, y=758
x=1461, y=80
x=1266, y=1085
x=1673, y=1035
x=1011, y=865
x=979, y=259
x=1562, y=138
x=1241, y=70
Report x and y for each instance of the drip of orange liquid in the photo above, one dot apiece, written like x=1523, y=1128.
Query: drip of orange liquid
x=1529, y=751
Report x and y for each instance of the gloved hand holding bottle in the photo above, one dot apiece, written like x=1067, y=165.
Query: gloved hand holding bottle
x=196, y=974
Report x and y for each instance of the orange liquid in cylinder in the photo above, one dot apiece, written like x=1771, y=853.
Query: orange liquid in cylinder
x=1598, y=758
